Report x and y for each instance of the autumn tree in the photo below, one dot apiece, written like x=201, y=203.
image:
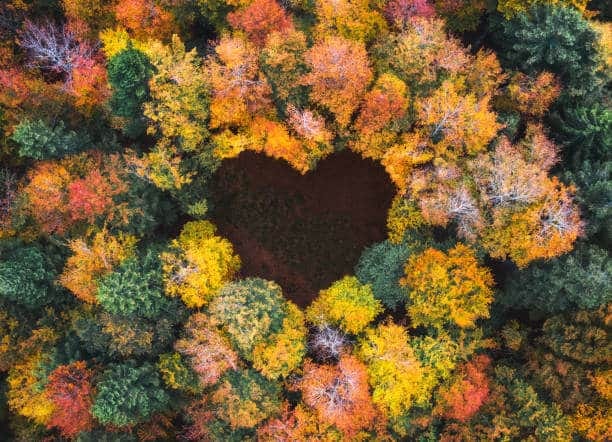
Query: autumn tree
x=259, y=19
x=533, y=95
x=198, y=264
x=249, y=311
x=299, y=423
x=339, y=394
x=340, y=74
x=469, y=390
x=510, y=8
x=144, y=18
x=70, y=390
x=351, y=19
x=244, y=398
x=396, y=376
x=179, y=96
x=347, y=304
x=461, y=15
x=128, y=394
x=93, y=258
x=399, y=12
x=207, y=351
x=447, y=288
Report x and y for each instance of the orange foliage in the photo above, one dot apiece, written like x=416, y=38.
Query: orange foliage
x=533, y=96
x=470, y=390
x=339, y=394
x=299, y=424
x=89, y=84
x=70, y=390
x=144, y=18
x=340, y=73
x=261, y=18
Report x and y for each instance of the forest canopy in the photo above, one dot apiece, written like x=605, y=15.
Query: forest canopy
x=326, y=220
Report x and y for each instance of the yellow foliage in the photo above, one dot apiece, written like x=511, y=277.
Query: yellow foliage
x=593, y=421
x=92, y=259
x=160, y=166
x=347, y=304
x=510, y=8
x=25, y=395
x=229, y=144
x=352, y=19
x=199, y=265
x=447, y=288
x=403, y=215
x=116, y=40
x=283, y=352
x=396, y=376
x=401, y=159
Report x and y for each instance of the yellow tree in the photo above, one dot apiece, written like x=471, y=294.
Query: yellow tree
x=347, y=304
x=340, y=73
x=199, y=264
x=447, y=288
x=179, y=92
x=93, y=258
x=353, y=19
x=395, y=374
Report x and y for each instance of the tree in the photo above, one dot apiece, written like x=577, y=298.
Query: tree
x=239, y=90
x=328, y=344
x=396, y=376
x=283, y=352
x=39, y=141
x=70, y=390
x=381, y=266
x=26, y=276
x=469, y=390
x=144, y=18
x=259, y=19
x=93, y=258
x=461, y=15
x=340, y=73
x=347, y=304
x=299, y=423
x=457, y=123
x=447, y=288
x=129, y=72
x=533, y=95
x=249, y=311
x=208, y=352
x=339, y=394
x=510, y=8
x=176, y=374
x=244, y=398
x=400, y=12
x=179, y=96
x=350, y=19
x=556, y=39
x=199, y=264
x=576, y=281
x=128, y=394
x=135, y=288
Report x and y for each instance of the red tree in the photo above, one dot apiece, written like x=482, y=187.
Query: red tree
x=70, y=390
x=259, y=19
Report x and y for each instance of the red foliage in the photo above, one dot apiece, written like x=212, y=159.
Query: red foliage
x=89, y=197
x=259, y=19
x=89, y=84
x=399, y=12
x=471, y=389
x=70, y=390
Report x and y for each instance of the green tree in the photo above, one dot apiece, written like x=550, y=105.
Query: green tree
x=555, y=39
x=577, y=281
x=129, y=72
x=382, y=266
x=249, y=312
x=26, y=276
x=129, y=394
x=39, y=141
x=135, y=288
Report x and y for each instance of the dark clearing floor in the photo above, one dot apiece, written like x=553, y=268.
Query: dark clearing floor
x=304, y=232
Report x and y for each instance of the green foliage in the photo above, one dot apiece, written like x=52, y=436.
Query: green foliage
x=249, y=311
x=39, y=141
x=26, y=276
x=135, y=288
x=176, y=373
x=382, y=266
x=579, y=280
x=129, y=394
x=552, y=38
x=129, y=72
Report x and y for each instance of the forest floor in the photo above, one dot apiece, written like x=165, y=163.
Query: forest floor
x=304, y=232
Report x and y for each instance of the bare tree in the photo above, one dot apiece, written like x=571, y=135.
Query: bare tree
x=54, y=48
x=328, y=343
